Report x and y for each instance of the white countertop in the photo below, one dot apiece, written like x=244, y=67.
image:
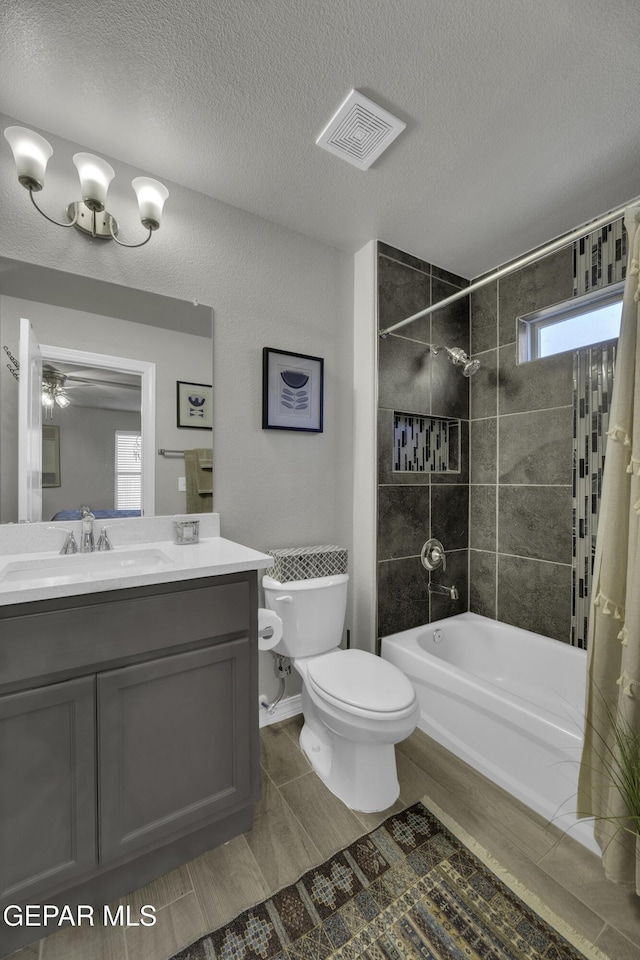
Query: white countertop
x=25, y=577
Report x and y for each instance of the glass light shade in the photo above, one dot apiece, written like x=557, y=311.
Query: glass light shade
x=31, y=153
x=62, y=400
x=95, y=176
x=151, y=196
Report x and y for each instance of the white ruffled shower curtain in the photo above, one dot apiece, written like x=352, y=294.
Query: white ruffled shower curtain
x=613, y=680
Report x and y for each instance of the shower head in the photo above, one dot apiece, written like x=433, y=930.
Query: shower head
x=470, y=367
x=459, y=358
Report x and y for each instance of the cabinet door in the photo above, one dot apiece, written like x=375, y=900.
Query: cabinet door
x=47, y=787
x=173, y=745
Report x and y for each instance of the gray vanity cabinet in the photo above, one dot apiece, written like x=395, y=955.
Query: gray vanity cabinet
x=47, y=787
x=172, y=745
x=128, y=737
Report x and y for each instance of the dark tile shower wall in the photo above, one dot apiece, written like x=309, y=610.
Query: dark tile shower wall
x=412, y=507
x=521, y=458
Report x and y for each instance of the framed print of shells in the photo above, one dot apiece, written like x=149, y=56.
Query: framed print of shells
x=292, y=391
x=195, y=401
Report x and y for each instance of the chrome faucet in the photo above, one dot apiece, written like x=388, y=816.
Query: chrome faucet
x=87, y=543
x=451, y=592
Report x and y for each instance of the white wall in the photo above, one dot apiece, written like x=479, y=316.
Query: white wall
x=269, y=287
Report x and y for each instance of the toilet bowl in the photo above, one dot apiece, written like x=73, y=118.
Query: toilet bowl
x=356, y=706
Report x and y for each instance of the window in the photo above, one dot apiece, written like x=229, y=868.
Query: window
x=576, y=323
x=128, y=470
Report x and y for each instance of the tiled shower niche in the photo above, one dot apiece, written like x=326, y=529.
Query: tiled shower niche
x=423, y=444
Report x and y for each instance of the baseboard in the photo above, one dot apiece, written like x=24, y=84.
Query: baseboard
x=289, y=707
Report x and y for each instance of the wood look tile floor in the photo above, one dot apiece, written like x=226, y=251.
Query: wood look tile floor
x=298, y=823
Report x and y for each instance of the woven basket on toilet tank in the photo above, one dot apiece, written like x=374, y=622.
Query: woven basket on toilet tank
x=305, y=563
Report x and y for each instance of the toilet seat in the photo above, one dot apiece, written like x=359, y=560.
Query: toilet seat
x=361, y=683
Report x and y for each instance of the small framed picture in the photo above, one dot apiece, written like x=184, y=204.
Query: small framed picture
x=50, y=456
x=292, y=391
x=195, y=402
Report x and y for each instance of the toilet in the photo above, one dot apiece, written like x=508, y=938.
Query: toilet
x=356, y=706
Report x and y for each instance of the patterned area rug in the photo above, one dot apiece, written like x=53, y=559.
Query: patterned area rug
x=410, y=889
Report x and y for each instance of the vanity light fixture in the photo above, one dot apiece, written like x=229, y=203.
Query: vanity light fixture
x=32, y=152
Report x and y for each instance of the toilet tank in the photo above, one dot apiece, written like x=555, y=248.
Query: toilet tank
x=312, y=613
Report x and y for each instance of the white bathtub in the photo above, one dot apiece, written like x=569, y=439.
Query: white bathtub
x=508, y=702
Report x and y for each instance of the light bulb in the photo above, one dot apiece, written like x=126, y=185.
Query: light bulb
x=95, y=176
x=151, y=196
x=31, y=153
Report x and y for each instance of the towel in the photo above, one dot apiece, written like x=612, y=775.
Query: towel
x=199, y=481
x=205, y=458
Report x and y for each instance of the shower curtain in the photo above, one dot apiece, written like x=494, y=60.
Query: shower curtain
x=613, y=680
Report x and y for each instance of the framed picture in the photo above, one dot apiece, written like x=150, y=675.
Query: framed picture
x=292, y=391
x=50, y=456
x=195, y=405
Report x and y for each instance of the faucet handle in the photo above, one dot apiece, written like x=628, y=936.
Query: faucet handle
x=103, y=541
x=432, y=555
x=69, y=545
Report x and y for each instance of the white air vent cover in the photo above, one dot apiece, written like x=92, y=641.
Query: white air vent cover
x=360, y=131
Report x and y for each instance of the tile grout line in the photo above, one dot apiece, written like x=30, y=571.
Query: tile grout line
x=165, y=907
x=245, y=906
x=407, y=265
x=414, y=556
x=306, y=832
x=430, y=524
x=632, y=943
x=518, y=556
x=503, y=484
x=524, y=413
x=497, y=447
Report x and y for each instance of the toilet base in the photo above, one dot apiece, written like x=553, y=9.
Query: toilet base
x=362, y=775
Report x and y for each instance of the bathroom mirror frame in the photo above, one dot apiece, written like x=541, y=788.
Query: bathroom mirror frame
x=64, y=291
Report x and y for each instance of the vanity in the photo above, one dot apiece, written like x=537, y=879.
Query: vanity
x=128, y=710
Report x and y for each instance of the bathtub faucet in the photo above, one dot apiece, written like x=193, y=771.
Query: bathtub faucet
x=451, y=592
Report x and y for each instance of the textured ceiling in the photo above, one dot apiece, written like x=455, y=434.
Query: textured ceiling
x=522, y=117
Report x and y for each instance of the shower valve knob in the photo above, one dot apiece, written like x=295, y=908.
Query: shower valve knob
x=432, y=555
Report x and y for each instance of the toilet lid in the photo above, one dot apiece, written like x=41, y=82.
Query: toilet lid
x=362, y=680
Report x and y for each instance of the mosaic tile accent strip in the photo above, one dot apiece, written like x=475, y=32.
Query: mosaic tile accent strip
x=421, y=444
x=593, y=370
x=600, y=258
x=304, y=563
x=410, y=889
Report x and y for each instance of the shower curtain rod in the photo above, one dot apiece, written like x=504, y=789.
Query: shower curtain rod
x=562, y=241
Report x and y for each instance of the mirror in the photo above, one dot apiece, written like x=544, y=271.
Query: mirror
x=103, y=346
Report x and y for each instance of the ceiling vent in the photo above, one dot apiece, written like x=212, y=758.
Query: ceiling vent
x=360, y=131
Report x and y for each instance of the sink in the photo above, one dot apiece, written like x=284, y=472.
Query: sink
x=85, y=566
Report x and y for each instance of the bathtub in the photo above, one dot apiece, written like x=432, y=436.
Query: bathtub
x=508, y=702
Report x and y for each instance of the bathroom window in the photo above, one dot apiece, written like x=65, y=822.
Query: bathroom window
x=128, y=470
x=579, y=322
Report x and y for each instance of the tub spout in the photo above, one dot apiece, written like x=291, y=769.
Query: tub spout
x=440, y=588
